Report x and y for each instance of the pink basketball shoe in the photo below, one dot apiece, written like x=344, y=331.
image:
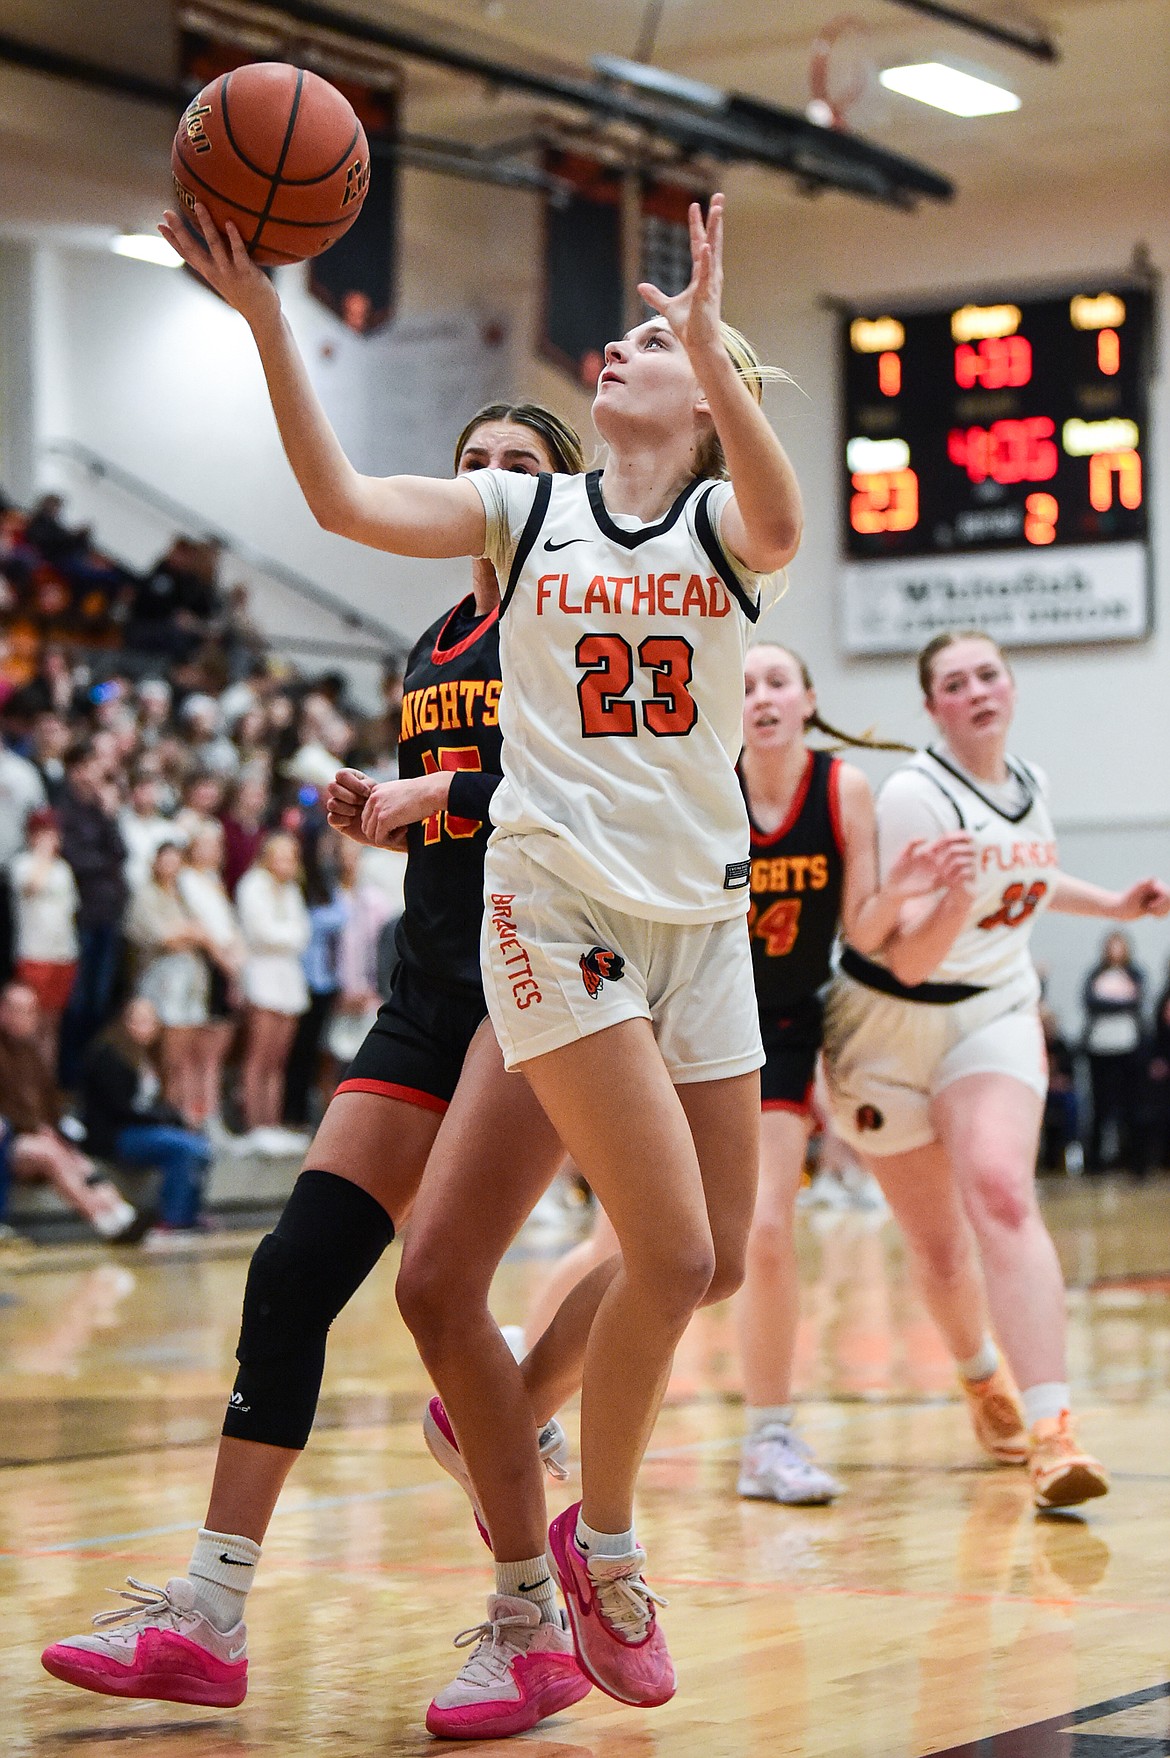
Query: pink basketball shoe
x=611, y=1613
x=165, y=1649
x=520, y=1672
x=444, y=1450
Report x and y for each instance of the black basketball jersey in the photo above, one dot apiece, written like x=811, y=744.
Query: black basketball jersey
x=796, y=880
x=450, y=720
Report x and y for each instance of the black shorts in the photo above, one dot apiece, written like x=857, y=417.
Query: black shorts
x=792, y=1042
x=415, y=1049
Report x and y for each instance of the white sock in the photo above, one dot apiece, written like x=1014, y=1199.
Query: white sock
x=530, y=1580
x=761, y=1416
x=605, y=1544
x=1045, y=1401
x=983, y=1363
x=223, y=1567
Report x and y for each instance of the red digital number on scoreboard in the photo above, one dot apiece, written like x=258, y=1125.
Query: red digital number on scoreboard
x=1007, y=451
x=884, y=500
x=997, y=363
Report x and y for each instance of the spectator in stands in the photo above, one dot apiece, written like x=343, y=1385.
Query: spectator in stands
x=250, y=737
x=173, y=605
x=143, y=827
x=244, y=820
x=368, y=909
x=45, y=898
x=33, y=1110
x=154, y=712
x=21, y=793
x=213, y=751
x=170, y=945
x=379, y=733
x=202, y=801
x=46, y=532
x=241, y=640
x=51, y=737
x=92, y=844
x=1113, y=998
x=128, y=1122
x=275, y=923
x=1158, y=1086
x=328, y=907
x=51, y=688
x=202, y=886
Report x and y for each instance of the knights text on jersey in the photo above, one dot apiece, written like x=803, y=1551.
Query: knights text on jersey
x=1016, y=857
x=797, y=876
x=450, y=720
x=621, y=650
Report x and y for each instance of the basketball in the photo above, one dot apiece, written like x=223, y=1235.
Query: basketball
x=277, y=150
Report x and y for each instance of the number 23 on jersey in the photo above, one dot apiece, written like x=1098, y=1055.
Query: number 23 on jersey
x=607, y=665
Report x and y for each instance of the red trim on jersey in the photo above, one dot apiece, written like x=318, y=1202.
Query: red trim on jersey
x=835, y=805
x=388, y=1089
x=800, y=1107
x=441, y=655
x=759, y=840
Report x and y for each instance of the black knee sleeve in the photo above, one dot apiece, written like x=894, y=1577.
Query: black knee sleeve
x=325, y=1244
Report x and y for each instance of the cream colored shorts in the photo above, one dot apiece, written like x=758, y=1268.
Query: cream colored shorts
x=885, y=1059
x=558, y=966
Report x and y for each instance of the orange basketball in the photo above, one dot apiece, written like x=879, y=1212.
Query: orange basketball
x=278, y=151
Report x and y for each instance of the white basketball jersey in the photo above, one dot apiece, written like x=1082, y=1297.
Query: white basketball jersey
x=621, y=652
x=1015, y=854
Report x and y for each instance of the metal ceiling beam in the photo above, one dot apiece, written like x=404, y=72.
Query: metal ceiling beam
x=1035, y=43
x=745, y=132
x=739, y=130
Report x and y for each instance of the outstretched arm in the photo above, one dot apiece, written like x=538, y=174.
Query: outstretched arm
x=1078, y=897
x=762, y=523
x=407, y=515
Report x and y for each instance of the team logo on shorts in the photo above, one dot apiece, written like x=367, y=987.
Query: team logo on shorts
x=868, y=1117
x=596, y=965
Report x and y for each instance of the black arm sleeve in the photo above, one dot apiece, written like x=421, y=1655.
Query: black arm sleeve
x=471, y=794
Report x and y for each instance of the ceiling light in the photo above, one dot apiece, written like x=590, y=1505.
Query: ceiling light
x=146, y=247
x=933, y=82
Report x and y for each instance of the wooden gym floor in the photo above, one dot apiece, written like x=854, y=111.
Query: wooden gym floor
x=928, y=1612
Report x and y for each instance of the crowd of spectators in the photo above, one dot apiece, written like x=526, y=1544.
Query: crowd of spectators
x=188, y=954
x=189, y=957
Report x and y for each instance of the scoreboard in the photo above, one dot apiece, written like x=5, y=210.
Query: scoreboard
x=993, y=468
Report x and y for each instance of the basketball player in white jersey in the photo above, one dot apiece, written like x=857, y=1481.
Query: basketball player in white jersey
x=936, y=1065
x=616, y=959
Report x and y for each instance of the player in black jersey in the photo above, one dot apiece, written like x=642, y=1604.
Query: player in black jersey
x=365, y=1164
x=813, y=868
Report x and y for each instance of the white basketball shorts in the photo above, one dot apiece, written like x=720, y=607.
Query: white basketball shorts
x=558, y=966
x=885, y=1059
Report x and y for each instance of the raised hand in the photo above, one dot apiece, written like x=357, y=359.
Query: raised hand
x=694, y=314
x=225, y=264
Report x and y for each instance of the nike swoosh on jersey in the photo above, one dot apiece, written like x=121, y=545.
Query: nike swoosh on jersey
x=564, y=544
